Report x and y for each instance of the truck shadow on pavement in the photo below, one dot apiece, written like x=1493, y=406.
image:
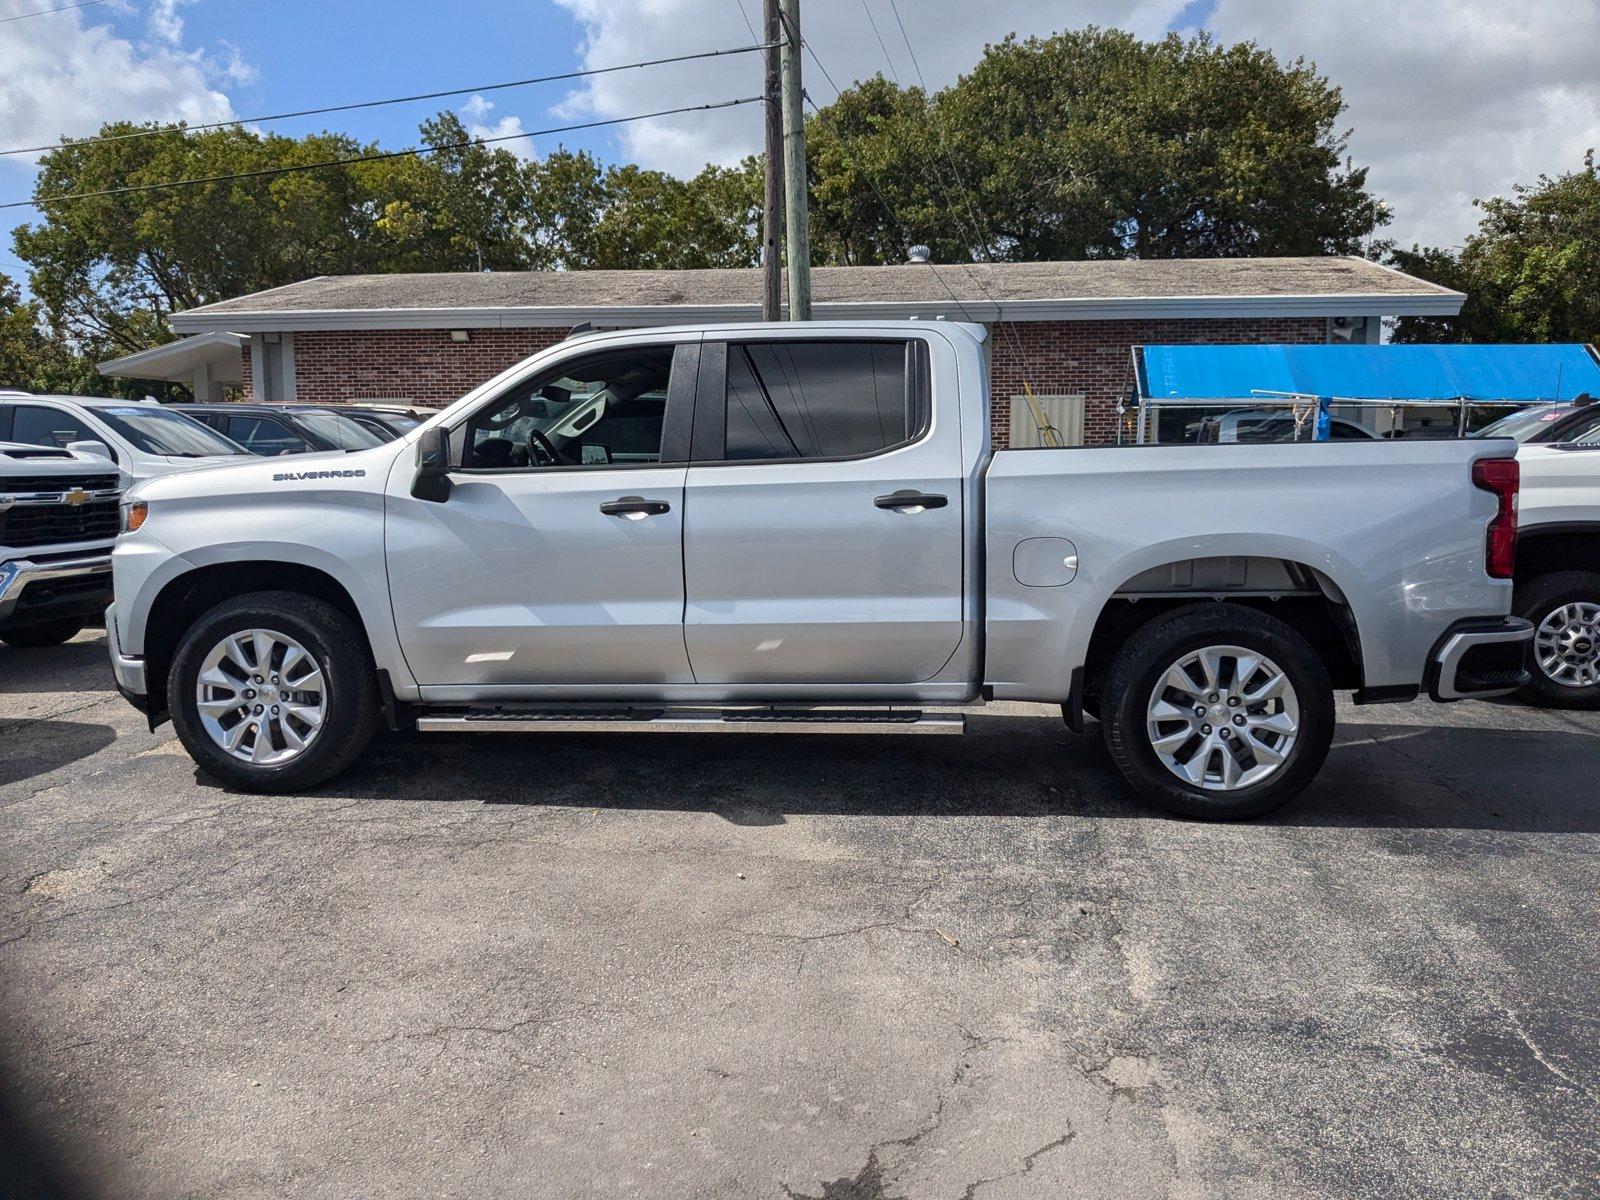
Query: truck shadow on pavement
x=1379, y=776
x=29, y=748
x=78, y=666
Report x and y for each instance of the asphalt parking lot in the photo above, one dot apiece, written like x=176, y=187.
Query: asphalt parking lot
x=854, y=968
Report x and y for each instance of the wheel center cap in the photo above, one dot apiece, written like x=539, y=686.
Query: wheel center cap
x=269, y=694
x=1219, y=714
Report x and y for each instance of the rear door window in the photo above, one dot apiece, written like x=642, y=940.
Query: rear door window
x=817, y=399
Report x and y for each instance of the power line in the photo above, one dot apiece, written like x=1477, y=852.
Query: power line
x=893, y=74
x=739, y=4
x=337, y=108
x=45, y=12
x=1016, y=341
x=43, y=202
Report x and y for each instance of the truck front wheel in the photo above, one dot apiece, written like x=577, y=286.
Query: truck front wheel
x=273, y=692
x=1218, y=711
x=1565, y=610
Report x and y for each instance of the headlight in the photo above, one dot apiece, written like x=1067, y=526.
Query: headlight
x=134, y=513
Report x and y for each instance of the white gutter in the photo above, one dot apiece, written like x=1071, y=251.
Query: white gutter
x=1143, y=308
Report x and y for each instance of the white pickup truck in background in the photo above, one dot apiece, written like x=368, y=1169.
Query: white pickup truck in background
x=803, y=528
x=58, y=517
x=1558, y=568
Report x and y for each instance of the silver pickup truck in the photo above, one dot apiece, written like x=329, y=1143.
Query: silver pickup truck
x=803, y=528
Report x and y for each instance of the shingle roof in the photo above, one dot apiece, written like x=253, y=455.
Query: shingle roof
x=1021, y=290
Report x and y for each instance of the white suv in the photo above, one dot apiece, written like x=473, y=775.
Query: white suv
x=142, y=437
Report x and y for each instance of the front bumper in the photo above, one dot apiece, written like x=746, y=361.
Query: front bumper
x=48, y=591
x=1480, y=658
x=129, y=671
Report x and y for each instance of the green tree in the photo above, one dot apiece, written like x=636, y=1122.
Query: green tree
x=1094, y=144
x=1529, y=272
x=112, y=268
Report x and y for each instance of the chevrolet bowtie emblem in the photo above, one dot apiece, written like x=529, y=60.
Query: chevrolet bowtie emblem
x=76, y=497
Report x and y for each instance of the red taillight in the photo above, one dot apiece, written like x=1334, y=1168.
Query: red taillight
x=1502, y=476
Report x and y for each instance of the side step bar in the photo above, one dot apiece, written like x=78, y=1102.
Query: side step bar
x=691, y=720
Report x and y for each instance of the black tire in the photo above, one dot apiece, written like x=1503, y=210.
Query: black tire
x=340, y=650
x=1537, y=600
x=1154, y=648
x=42, y=633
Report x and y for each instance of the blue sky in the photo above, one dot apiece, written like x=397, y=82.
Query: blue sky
x=267, y=56
x=1449, y=99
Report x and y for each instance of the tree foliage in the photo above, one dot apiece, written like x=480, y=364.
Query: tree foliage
x=1529, y=273
x=1082, y=145
x=1094, y=144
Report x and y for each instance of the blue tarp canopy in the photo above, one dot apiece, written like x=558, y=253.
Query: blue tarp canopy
x=1415, y=374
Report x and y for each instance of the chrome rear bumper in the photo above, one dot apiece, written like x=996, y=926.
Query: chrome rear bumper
x=1481, y=658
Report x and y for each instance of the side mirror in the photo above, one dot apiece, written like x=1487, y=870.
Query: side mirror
x=98, y=449
x=432, y=480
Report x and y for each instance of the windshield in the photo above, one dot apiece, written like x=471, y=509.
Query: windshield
x=161, y=431
x=1525, y=424
x=340, y=430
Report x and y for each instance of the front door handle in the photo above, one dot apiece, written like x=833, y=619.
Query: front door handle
x=911, y=502
x=635, y=508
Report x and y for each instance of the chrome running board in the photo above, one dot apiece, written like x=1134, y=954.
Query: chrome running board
x=516, y=719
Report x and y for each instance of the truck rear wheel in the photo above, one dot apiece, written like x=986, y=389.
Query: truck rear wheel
x=1565, y=610
x=273, y=692
x=1218, y=711
x=41, y=633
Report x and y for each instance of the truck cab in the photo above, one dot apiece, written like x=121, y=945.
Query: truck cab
x=805, y=528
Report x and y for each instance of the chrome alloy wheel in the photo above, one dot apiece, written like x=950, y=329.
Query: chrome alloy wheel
x=1223, y=718
x=1567, y=645
x=261, y=696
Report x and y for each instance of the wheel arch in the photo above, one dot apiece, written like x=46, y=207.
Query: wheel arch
x=1304, y=596
x=185, y=598
x=1566, y=546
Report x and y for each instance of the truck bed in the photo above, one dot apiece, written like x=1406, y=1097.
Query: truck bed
x=1394, y=530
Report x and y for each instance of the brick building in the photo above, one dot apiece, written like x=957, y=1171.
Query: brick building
x=1066, y=328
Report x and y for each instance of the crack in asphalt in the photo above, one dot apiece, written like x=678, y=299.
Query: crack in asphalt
x=1028, y=1160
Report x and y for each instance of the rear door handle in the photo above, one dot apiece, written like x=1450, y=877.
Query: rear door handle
x=634, y=508
x=911, y=502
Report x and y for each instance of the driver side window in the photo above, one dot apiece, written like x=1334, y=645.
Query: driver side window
x=604, y=410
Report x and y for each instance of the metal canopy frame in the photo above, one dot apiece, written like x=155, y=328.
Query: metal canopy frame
x=1296, y=402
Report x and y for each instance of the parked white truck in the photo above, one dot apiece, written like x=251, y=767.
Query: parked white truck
x=803, y=528
x=58, y=518
x=1558, y=568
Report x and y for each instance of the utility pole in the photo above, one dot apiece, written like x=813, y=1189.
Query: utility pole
x=798, y=230
x=772, y=201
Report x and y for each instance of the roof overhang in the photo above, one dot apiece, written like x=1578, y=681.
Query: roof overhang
x=1142, y=308
x=179, y=361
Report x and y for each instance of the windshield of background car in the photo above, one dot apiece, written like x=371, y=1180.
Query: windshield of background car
x=341, y=431
x=162, y=431
x=1526, y=424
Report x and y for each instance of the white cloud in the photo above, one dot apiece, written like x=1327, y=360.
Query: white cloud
x=947, y=35
x=475, y=115
x=164, y=21
x=1448, y=101
x=60, y=76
